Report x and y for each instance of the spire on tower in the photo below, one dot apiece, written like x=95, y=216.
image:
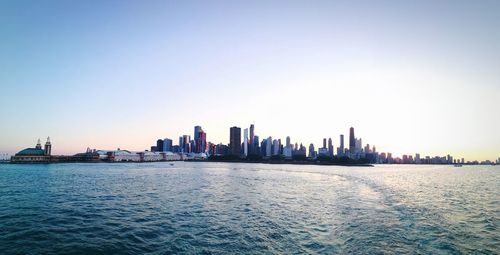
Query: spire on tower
x=48, y=147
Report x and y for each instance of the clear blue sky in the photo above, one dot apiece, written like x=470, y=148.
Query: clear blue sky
x=410, y=76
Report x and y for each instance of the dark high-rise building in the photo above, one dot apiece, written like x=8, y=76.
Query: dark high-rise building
x=263, y=147
x=340, y=151
x=184, y=144
x=196, y=140
x=159, y=145
x=191, y=146
x=352, y=140
x=324, y=142
x=252, y=139
x=256, y=147
x=197, y=130
x=312, y=152
x=201, y=142
x=167, y=144
x=235, y=141
x=342, y=142
x=330, y=147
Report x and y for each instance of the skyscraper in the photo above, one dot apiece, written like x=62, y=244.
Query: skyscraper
x=263, y=147
x=276, y=147
x=340, y=152
x=287, y=141
x=159, y=145
x=324, y=142
x=312, y=152
x=330, y=147
x=181, y=144
x=235, y=141
x=200, y=140
x=245, y=142
x=352, y=141
x=186, y=146
x=197, y=130
x=252, y=139
x=256, y=148
x=269, y=144
x=167, y=145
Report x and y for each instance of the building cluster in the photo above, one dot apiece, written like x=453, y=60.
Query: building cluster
x=164, y=150
x=249, y=145
x=269, y=147
x=141, y=156
x=197, y=145
x=246, y=145
x=253, y=146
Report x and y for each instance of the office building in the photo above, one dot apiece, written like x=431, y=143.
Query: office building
x=252, y=140
x=167, y=145
x=340, y=151
x=159, y=145
x=312, y=152
x=245, y=142
x=330, y=147
x=235, y=141
x=269, y=144
x=352, y=141
x=276, y=147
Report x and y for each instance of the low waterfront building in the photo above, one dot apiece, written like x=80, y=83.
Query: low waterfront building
x=142, y=156
x=34, y=155
x=39, y=155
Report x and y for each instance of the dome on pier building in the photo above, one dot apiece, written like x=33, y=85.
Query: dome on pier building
x=30, y=152
x=37, y=151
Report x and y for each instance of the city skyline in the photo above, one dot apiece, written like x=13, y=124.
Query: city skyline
x=411, y=77
x=247, y=145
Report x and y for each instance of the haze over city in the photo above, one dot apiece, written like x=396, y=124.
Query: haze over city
x=411, y=77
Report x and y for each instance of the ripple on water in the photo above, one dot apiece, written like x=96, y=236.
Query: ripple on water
x=214, y=208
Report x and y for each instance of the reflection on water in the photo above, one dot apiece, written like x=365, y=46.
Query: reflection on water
x=248, y=208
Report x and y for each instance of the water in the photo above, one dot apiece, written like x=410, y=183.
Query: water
x=213, y=208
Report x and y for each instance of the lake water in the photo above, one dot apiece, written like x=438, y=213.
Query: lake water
x=214, y=208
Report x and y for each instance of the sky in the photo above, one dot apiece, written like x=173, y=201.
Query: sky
x=409, y=76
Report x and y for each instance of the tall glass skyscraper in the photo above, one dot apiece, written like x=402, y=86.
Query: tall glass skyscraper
x=352, y=140
x=235, y=141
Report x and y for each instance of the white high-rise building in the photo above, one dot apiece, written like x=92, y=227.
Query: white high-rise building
x=245, y=142
x=276, y=147
x=288, y=152
x=358, y=146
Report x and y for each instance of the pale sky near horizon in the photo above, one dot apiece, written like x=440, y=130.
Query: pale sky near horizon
x=409, y=76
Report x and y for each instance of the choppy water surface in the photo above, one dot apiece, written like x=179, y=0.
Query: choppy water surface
x=248, y=208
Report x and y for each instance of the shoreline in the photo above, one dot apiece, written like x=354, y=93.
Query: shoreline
x=290, y=163
x=199, y=161
x=232, y=161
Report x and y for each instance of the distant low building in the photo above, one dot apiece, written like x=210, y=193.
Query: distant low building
x=142, y=156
